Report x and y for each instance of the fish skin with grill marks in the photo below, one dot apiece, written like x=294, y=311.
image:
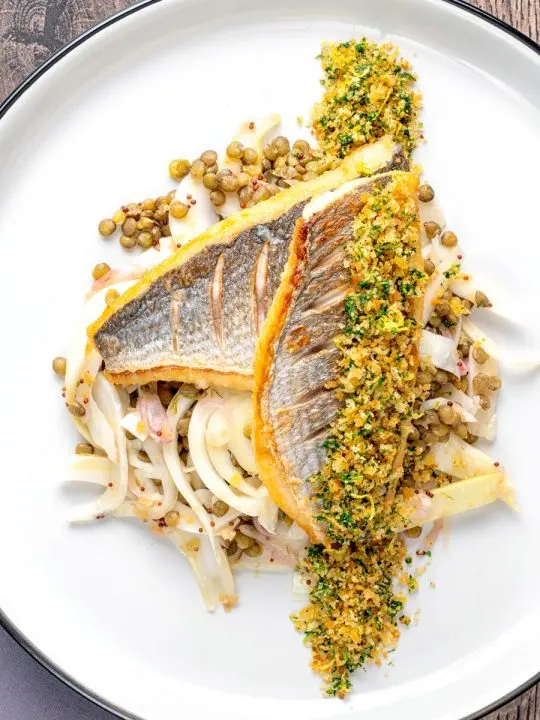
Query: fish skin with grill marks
x=297, y=363
x=197, y=316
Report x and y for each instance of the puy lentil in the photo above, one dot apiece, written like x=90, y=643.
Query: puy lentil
x=178, y=169
x=432, y=229
x=220, y=508
x=144, y=240
x=197, y=169
x=75, y=408
x=254, y=551
x=425, y=193
x=178, y=210
x=127, y=242
x=217, y=197
x=83, y=448
x=59, y=365
x=210, y=181
x=129, y=226
x=100, y=270
x=209, y=157
x=106, y=228
x=449, y=239
x=481, y=299
x=479, y=354
x=235, y=150
x=250, y=156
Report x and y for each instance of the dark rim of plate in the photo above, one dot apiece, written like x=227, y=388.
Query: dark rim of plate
x=15, y=633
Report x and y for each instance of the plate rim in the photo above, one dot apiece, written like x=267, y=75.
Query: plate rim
x=19, y=637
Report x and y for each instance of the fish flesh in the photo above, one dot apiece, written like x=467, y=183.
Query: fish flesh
x=196, y=317
x=297, y=362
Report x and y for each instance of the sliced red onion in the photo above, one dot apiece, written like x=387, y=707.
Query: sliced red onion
x=113, y=277
x=154, y=417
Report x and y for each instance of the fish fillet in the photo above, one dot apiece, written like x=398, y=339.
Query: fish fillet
x=197, y=316
x=297, y=362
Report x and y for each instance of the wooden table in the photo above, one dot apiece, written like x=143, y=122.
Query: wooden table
x=30, y=30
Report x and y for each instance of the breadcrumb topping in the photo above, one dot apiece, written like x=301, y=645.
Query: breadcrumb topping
x=368, y=92
x=377, y=388
x=364, y=490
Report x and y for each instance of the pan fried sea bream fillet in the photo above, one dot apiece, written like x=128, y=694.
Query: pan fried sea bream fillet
x=196, y=317
x=298, y=362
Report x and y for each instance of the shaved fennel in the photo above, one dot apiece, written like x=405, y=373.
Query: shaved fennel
x=238, y=411
x=211, y=568
x=438, y=282
x=476, y=334
x=133, y=423
x=168, y=499
x=199, y=453
x=89, y=469
x=440, y=351
x=154, y=417
x=459, y=459
x=464, y=495
x=176, y=410
x=108, y=399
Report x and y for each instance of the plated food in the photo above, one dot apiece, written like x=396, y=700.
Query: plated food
x=288, y=374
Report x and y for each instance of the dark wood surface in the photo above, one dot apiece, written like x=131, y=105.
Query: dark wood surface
x=31, y=30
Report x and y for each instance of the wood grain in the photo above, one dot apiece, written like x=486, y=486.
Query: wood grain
x=31, y=30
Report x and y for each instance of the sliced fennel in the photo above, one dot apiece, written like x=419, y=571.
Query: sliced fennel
x=440, y=351
x=108, y=400
x=200, y=216
x=211, y=568
x=201, y=460
x=459, y=459
x=178, y=407
x=89, y=469
x=464, y=495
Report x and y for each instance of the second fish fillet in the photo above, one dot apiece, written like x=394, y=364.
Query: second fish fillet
x=298, y=364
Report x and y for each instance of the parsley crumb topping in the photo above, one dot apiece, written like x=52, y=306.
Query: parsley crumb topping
x=368, y=92
x=364, y=486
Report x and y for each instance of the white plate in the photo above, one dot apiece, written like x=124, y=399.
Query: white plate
x=110, y=605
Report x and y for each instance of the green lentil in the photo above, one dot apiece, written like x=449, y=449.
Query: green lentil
x=127, y=242
x=178, y=169
x=100, y=270
x=59, y=365
x=106, y=228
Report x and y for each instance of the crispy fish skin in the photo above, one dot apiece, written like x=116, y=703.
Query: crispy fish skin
x=296, y=361
x=207, y=312
x=196, y=317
